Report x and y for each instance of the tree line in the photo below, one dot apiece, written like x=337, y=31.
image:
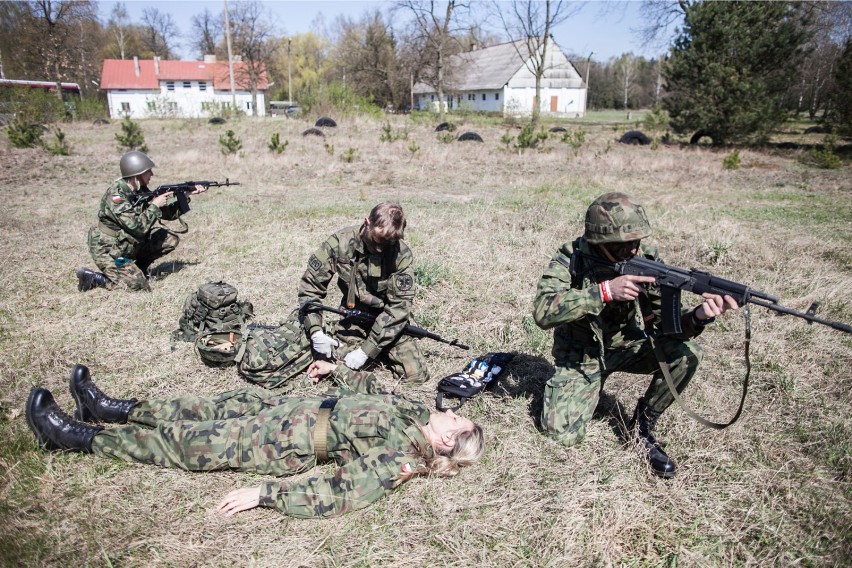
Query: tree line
x=766, y=59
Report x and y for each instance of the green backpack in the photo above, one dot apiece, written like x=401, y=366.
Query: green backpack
x=211, y=317
x=272, y=357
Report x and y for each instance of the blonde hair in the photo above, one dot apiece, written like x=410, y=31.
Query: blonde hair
x=388, y=215
x=466, y=451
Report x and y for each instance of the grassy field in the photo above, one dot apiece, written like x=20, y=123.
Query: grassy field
x=483, y=222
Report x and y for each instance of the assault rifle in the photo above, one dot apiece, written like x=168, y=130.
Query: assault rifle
x=179, y=190
x=672, y=280
x=365, y=317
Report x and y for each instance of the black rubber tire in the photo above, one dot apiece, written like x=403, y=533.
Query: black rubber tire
x=556, y=129
x=470, y=136
x=325, y=122
x=216, y=120
x=448, y=126
x=699, y=135
x=635, y=137
x=313, y=132
x=815, y=130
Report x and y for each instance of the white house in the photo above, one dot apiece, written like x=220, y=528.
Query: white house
x=498, y=79
x=141, y=88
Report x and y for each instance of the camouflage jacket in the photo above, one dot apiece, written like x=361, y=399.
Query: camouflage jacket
x=376, y=441
x=132, y=223
x=574, y=308
x=382, y=284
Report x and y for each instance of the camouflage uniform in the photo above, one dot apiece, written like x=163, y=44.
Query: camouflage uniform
x=381, y=284
x=375, y=439
x=124, y=231
x=592, y=339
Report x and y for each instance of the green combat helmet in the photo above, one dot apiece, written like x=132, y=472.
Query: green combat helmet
x=134, y=162
x=615, y=218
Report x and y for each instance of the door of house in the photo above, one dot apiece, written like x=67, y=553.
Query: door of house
x=554, y=103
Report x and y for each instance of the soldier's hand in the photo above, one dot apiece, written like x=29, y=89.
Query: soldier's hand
x=356, y=359
x=239, y=500
x=714, y=305
x=198, y=189
x=161, y=200
x=322, y=343
x=628, y=287
x=319, y=369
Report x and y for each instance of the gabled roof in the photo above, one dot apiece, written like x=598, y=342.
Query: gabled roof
x=491, y=68
x=121, y=74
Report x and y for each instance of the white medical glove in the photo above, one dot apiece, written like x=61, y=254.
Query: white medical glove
x=322, y=343
x=355, y=359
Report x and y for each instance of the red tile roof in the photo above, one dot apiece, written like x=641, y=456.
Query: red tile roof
x=121, y=74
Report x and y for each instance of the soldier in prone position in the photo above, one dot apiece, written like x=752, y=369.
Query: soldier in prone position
x=124, y=243
x=374, y=274
x=599, y=321
x=378, y=441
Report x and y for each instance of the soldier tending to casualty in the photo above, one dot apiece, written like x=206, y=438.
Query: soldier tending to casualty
x=378, y=441
x=375, y=275
x=599, y=320
x=124, y=243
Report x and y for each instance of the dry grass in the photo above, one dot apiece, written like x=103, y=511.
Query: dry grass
x=773, y=490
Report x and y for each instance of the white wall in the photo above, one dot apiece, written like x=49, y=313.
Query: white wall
x=569, y=102
x=182, y=101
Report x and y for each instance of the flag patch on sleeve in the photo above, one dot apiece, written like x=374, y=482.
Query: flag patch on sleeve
x=406, y=468
x=116, y=199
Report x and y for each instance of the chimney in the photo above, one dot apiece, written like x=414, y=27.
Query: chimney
x=156, y=65
x=136, y=65
x=210, y=58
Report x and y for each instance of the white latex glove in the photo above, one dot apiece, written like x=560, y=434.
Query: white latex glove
x=322, y=343
x=355, y=359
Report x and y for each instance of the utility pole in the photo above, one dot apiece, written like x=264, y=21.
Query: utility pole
x=230, y=57
x=588, y=69
x=289, y=81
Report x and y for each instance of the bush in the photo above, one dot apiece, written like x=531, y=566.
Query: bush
x=732, y=161
x=131, y=137
x=59, y=147
x=23, y=134
x=91, y=108
x=33, y=105
x=276, y=145
x=390, y=135
x=825, y=157
x=349, y=155
x=229, y=143
x=529, y=138
x=337, y=99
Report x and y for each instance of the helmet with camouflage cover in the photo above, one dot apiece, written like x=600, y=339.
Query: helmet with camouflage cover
x=134, y=163
x=615, y=218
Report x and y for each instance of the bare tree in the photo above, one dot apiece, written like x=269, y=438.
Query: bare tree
x=252, y=37
x=530, y=23
x=434, y=29
x=626, y=68
x=660, y=18
x=159, y=32
x=118, y=24
x=207, y=30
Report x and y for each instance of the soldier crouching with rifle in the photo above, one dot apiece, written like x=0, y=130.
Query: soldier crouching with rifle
x=124, y=243
x=600, y=320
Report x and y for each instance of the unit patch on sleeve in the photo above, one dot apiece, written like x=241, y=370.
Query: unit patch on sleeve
x=404, y=282
x=314, y=263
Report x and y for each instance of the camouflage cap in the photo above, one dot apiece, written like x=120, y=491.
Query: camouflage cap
x=615, y=218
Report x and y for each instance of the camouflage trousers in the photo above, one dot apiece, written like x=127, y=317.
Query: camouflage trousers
x=403, y=357
x=133, y=275
x=572, y=393
x=248, y=429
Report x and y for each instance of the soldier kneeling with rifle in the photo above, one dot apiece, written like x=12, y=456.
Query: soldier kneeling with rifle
x=124, y=243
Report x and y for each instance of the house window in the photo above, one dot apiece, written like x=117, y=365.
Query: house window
x=483, y=96
x=432, y=97
x=202, y=85
x=205, y=105
x=170, y=85
x=125, y=107
x=496, y=96
x=458, y=98
x=248, y=105
x=187, y=84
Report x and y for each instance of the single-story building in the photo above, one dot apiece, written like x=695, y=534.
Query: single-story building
x=141, y=88
x=498, y=79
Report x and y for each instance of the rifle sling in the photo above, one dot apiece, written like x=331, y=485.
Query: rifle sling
x=320, y=433
x=664, y=367
x=108, y=231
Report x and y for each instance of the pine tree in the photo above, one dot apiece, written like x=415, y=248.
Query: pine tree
x=731, y=67
x=842, y=116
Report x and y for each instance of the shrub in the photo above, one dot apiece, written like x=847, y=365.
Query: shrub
x=337, y=99
x=732, y=161
x=390, y=135
x=445, y=137
x=229, y=143
x=529, y=138
x=575, y=139
x=825, y=157
x=59, y=147
x=23, y=134
x=276, y=145
x=91, y=108
x=349, y=155
x=130, y=137
x=413, y=147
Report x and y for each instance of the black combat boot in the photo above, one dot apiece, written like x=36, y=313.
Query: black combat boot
x=92, y=404
x=88, y=279
x=643, y=422
x=54, y=429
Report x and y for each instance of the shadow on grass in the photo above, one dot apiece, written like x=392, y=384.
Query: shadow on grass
x=165, y=268
x=527, y=376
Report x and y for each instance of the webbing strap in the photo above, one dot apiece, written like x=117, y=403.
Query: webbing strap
x=320, y=433
x=664, y=367
x=108, y=231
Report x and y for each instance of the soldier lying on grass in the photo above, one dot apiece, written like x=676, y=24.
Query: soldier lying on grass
x=379, y=441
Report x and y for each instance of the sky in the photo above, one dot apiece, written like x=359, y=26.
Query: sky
x=602, y=28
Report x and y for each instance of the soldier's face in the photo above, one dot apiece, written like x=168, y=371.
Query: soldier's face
x=449, y=424
x=145, y=177
x=377, y=238
x=622, y=251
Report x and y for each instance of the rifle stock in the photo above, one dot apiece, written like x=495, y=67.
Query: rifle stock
x=358, y=315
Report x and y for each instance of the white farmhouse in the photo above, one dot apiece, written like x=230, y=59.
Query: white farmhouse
x=142, y=88
x=498, y=79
